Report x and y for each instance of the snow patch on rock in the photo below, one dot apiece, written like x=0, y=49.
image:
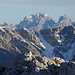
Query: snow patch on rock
x=48, y=48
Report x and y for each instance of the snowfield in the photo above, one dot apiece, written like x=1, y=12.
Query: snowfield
x=48, y=48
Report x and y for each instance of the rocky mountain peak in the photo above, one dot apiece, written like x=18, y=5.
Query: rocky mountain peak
x=36, y=22
x=64, y=21
x=42, y=15
x=63, y=18
x=39, y=15
x=38, y=46
x=4, y=24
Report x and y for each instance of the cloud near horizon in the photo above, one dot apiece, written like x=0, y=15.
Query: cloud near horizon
x=40, y=2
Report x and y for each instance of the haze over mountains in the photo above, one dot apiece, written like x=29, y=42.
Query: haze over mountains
x=41, y=36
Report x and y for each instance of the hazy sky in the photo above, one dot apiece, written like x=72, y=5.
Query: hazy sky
x=13, y=11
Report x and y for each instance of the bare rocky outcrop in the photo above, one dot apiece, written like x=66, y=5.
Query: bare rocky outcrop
x=63, y=39
x=14, y=42
x=64, y=21
x=29, y=35
x=29, y=64
x=19, y=41
x=36, y=22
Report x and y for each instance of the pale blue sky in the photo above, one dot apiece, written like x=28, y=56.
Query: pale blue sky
x=13, y=11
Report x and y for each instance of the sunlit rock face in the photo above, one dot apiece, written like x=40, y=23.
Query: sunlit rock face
x=14, y=42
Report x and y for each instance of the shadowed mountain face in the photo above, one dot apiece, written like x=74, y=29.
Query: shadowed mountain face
x=6, y=58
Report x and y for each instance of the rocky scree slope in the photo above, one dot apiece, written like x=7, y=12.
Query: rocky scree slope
x=14, y=42
x=29, y=64
x=63, y=41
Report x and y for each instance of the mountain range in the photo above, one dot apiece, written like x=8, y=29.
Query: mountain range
x=40, y=35
x=56, y=37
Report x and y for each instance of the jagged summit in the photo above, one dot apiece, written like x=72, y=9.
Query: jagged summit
x=42, y=15
x=64, y=21
x=38, y=16
x=4, y=24
x=40, y=21
x=37, y=22
x=63, y=18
